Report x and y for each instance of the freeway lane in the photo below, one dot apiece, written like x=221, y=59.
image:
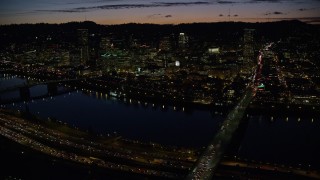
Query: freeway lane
x=82, y=150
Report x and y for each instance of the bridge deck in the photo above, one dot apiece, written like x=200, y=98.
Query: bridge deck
x=209, y=160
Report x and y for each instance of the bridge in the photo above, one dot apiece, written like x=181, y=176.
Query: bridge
x=22, y=99
x=29, y=85
x=208, y=161
x=24, y=91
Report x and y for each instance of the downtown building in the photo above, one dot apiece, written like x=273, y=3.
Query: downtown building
x=83, y=45
x=248, y=50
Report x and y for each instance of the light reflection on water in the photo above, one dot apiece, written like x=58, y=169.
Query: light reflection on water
x=291, y=139
x=132, y=119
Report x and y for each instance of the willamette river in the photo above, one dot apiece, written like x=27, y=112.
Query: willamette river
x=289, y=140
x=138, y=121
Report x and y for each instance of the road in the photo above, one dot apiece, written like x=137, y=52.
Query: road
x=153, y=161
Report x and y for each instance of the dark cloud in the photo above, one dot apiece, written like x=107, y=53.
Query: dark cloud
x=123, y=6
x=220, y=15
x=180, y=3
x=117, y=6
x=236, y=15
x=269, y=1
x=277, y=12
x=226, y=2
x=153, y=16
x=155, y=4
x=308, y=9
x=63, y=11
x=273, y=13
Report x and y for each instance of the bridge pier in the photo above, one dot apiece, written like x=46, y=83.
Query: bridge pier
x=24, y=93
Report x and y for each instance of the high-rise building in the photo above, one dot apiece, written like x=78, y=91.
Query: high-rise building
x=248, y=45
x=183, y=40
x=165, y=44
x=83, y=43
x=65, y=58
x=105, y=44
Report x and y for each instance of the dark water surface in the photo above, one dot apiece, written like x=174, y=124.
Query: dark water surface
x=289, y=140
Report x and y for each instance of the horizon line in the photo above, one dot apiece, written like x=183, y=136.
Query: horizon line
x=266, y=20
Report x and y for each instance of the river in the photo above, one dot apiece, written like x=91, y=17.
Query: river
x=290, y=140
x=136, y=120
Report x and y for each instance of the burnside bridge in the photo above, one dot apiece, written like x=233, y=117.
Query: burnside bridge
x=207, y=163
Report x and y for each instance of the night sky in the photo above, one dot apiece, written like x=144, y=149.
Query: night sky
x=157, y=11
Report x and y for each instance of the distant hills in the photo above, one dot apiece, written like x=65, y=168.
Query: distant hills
x=67, y=31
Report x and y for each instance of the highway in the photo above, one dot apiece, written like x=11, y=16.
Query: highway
x=153, y=161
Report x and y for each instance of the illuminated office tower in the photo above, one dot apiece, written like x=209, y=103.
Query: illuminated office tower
x=183, y=40
x=83, y=45
x=248, y=48
x=165, y=44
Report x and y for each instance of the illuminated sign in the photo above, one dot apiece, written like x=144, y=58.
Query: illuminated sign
x=213, y=50
x=261, y=86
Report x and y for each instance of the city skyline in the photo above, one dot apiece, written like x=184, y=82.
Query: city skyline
x=82, y=100
x=157, y=12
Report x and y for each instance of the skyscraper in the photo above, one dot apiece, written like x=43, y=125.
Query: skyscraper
x=183, y=40
x=248, y=51
x=248, y=42
x=83, y=45
x=165, y=44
